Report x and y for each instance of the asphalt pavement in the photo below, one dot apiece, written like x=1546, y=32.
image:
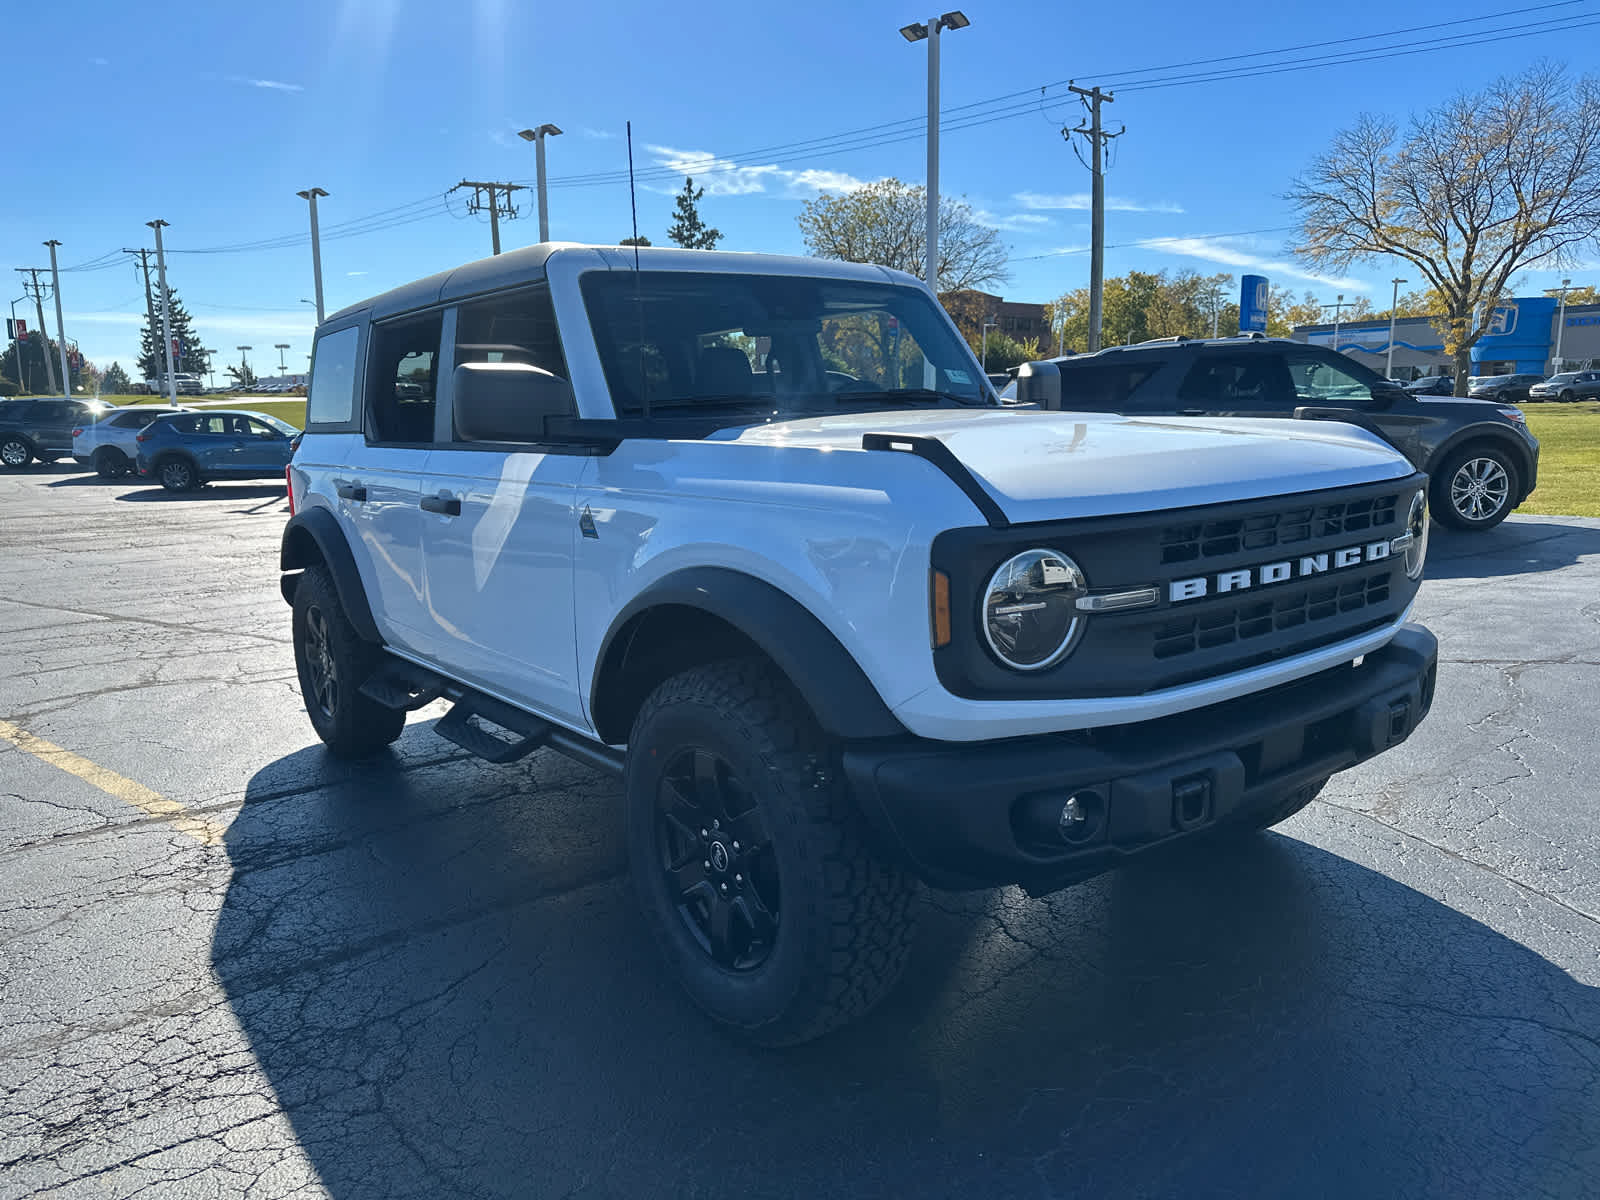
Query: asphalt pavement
x=233, y=967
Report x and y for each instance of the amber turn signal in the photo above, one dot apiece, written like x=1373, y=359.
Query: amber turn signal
x=939, y=607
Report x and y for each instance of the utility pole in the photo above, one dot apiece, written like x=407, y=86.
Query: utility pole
x=1098, y=137
x=1388, y=368
x=36, y=290
x=61, y=332
x=498, y=193
x=1338, y=308
x=311, y=194
x=166, y=309
x=149, y=304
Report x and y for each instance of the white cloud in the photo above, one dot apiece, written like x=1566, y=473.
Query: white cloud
x=724, y=177
x=353, y=274
x=1082, y=202
x=206, y=322
x=271, y=84
x=1012, y=223
x=1218, y=251
x=601, y=134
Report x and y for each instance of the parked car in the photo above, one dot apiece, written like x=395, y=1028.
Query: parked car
x=187, y=385
x=1482, y=459
x=1567, y=387
x=1507, y=389
x=191, y=449
x=835, y=634
x=1432, y=385
x=110, y=444
x=42, y=429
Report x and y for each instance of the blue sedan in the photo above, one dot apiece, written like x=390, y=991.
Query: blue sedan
x=186, y=450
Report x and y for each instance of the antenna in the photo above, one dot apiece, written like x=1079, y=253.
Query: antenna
x=638, y=298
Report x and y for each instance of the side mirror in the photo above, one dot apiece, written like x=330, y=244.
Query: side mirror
x=1385, y=394
x=507, y=402
x=1039, y=383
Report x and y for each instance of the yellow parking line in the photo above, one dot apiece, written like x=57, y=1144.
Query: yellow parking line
x=207, y=833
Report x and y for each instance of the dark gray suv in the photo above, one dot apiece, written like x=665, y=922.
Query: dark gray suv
x=1482, y=460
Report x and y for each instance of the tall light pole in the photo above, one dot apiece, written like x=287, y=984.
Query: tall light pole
x=987, y=325
x=244, y=363
x=61, y=333
x=166, y=304
x=537, y=136
x=311, y=194
x=1388, y=369
x=1561, y=321
x=929, y=33
x=1338, y=309
x=280, y=347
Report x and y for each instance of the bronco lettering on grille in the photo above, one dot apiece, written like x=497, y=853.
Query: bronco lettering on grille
x=1277, y=572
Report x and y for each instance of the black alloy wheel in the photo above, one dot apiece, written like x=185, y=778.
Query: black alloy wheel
x=322, y=674
x=110, y=464
x=714, y=848
x=1566, y=397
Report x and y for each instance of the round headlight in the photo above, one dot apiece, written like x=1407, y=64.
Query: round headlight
x=1030, y=612
x=1417, y=527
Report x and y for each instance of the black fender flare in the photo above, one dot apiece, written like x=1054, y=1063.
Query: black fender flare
x=831, y=682
x=313, y=536
x=1484, y=431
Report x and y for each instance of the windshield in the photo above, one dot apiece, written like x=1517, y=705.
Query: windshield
x=760, y=347
x=1568, y=378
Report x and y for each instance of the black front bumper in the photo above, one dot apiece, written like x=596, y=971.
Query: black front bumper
x=966, y=815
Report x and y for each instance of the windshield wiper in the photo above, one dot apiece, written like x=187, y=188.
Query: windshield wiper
x=909, y=396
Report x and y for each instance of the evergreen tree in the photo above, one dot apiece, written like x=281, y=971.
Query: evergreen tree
x=115, y=381
x=641, y=240
x=194, y=358
x=242, y=375
x=688, y=230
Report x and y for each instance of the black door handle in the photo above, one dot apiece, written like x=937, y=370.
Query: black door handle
x=352, y=491
x=444, y=505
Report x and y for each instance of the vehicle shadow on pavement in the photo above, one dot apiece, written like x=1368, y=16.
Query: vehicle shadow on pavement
x=86, y=477
x=1520, y=546
x=440, y=969
x=212, y=491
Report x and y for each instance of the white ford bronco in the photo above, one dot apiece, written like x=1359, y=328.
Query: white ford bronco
x=755, y=533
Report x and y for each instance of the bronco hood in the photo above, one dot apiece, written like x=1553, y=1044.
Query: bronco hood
x=1040, y=466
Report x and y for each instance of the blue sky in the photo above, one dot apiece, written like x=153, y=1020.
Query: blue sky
x=211, y=116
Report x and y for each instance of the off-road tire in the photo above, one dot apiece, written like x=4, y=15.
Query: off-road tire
x=15, y=453
x=351, y=725
x=1281, y=809
x=1442, y=504
x=844, y=921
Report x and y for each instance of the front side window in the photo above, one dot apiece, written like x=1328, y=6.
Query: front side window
x=331, y=397
x=1318, y=381
x=759, y=347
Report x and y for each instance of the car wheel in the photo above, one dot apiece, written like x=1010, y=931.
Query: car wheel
x=1475, y=490
x=1566, y=397
x=333, y=661
x=177, y=475
x=15, y=453
x=110, y=464
x=751, y=860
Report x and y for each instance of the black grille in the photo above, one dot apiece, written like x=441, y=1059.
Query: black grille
x=1210, y=539
x=1258, y=617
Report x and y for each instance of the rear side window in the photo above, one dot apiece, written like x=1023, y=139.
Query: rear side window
x=1105, y=387
x=183, y=424
x=1243, y=383
x=132, y=420
x=402, y=380
x=332, y=399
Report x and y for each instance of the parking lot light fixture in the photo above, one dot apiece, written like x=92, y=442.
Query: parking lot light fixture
x=280, y=347
x=1561, y=321
x=537, y=136
x=1388, y=370
x=930, y=33
x=244, y=360
x=310, y=195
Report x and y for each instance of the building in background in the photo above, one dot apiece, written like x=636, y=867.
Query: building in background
x=1522, y=340
x=1017, y=319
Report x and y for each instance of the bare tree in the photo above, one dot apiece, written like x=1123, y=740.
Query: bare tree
x=884, y=223
x=1479, y=188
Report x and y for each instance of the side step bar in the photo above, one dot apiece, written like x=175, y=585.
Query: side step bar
x=403, y=685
